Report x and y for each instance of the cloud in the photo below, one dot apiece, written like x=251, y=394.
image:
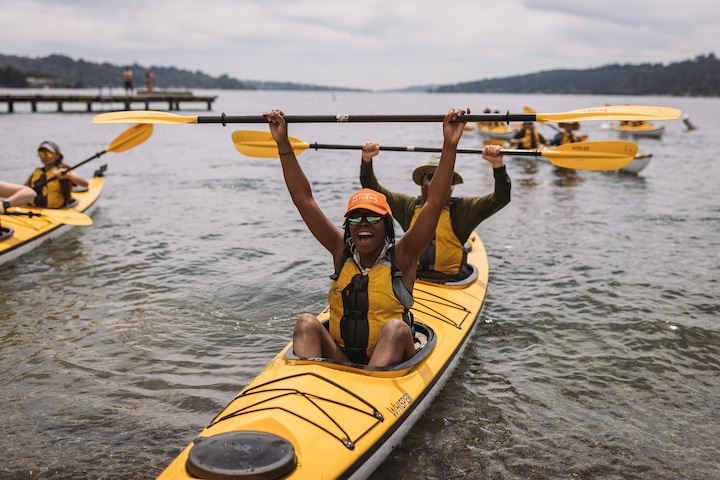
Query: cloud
x=375, y=44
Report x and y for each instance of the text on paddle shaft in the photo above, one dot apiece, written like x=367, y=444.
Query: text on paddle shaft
x=401, y=404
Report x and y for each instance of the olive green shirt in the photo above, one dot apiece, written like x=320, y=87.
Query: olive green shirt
x=466, y=213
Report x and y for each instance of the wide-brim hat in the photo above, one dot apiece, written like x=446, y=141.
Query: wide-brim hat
x=431, y=165
x=367, y=199
x=569, y=125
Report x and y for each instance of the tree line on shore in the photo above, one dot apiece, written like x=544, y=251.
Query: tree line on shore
x=699, y=77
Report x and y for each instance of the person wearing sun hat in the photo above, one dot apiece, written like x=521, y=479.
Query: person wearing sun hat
x=565, y=134
x=53, y=182
x=430, y=167
x=371, y=294
x=445, y=258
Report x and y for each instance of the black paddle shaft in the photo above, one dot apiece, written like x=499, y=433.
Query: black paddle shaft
x=43, y=183
x=344, y=118
x=322, y=146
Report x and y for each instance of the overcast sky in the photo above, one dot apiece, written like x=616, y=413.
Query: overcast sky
x=369, y=44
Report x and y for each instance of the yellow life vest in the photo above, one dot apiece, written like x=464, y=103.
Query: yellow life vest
x=530, y=139
x=567, y=137
x=360, y=305
x=445, y=254
x=54, y=194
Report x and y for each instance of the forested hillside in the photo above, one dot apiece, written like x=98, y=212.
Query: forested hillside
x=697, y=77
x=64, y=72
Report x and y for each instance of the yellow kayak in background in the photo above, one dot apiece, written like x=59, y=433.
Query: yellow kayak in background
x=501, y=131
x=645, y=129
x=20, y=234
x=321, y=419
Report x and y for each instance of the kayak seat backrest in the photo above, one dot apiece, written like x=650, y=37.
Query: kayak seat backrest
x=437, y=277
x=72, y=203
x=425, y=341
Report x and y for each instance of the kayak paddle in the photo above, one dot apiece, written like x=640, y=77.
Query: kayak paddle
x=600, y=155
x=624, y=112
x=130, y=138
x=527, y=109
x=69, y=217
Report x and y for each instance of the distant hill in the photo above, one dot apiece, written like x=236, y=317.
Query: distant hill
x=63, y=72
x=696, y=78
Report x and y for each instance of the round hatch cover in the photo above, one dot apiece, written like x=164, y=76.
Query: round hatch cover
x=241, y=455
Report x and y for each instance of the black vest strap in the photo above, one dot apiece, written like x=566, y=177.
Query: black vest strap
x=354, y=328
x=40, y=197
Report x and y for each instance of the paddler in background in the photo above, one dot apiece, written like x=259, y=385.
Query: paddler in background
x=528, y=137
x=371, y=293
x=445, y=258
x=53, y=192
x=565, y=134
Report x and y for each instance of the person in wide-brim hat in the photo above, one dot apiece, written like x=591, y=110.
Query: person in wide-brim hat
x=445, y=258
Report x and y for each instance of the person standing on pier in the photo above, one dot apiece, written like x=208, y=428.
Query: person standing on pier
x=127, y=76
x=149, y=80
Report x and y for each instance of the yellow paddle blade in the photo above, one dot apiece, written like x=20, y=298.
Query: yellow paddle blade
x=132, y=137
x=262, y=145
x=609, y=112
x=143, y=116
x=69, y=217
x=600, y=155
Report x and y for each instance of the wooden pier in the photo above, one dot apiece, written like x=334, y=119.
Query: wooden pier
x=142, y=99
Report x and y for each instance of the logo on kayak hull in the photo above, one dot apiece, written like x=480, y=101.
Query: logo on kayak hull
x=401, y=404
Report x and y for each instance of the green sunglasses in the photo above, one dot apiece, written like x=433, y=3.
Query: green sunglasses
x=355, y=220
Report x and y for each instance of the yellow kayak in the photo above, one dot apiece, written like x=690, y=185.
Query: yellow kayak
x=21, y=233
x=501, y=131
x=643, y=130
x=320, y=419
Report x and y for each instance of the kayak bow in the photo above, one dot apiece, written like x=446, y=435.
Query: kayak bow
x=316, y=418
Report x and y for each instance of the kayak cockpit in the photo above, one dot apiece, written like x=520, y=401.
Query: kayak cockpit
x=425, y=341
x=443, y=280
x=449, y=281
x=5, y=233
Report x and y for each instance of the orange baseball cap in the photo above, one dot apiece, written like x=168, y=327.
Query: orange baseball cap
x=367, y=199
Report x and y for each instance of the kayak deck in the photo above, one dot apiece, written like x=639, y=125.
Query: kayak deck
x=340, y=420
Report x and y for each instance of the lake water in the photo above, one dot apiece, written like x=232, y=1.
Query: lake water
x=599, y=348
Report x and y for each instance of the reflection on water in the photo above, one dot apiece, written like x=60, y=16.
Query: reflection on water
x=567, y=177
